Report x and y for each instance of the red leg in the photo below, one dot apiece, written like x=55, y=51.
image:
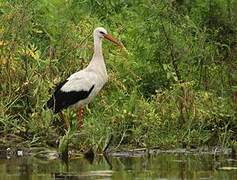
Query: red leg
x=80, y=114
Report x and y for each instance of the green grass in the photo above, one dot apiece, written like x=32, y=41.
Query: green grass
x=176, y=86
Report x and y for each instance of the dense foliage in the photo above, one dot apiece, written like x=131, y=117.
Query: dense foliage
x=176, y=86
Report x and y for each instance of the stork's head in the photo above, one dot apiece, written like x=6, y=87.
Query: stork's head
x=102, y=33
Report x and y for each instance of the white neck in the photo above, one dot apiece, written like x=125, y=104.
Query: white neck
x=97, y=63
x=97, y=47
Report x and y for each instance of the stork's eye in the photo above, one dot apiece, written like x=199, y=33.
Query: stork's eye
x=102, y=32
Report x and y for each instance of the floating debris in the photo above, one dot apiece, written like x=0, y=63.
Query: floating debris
x=227, y=168
x=19, y=153
x=101, y=173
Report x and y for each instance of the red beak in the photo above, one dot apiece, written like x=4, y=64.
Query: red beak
x=112, y=39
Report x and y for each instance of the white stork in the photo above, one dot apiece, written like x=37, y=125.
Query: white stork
x=81, y=87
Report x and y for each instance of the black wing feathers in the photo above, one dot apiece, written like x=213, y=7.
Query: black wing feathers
x=61, y=100
x=60, y=85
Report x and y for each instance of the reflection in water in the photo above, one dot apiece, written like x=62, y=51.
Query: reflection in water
x=162, y=166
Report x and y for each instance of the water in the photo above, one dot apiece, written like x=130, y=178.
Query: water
x=161, y=166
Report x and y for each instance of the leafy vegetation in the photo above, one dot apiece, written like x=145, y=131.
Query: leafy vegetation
x=176, y=87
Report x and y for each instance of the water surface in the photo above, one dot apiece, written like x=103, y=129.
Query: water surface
x=161, y=166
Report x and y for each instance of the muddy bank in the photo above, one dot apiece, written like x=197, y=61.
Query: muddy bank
x=46, y=153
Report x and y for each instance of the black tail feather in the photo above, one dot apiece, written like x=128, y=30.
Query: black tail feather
x=50, y=104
